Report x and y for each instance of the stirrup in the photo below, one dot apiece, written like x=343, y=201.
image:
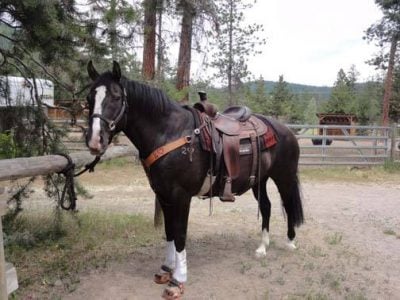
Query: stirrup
x=227, y=195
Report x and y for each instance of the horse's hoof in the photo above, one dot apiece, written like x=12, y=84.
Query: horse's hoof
x=291, y=245
x=164, y=276
x=261, y=252
x=174, y=291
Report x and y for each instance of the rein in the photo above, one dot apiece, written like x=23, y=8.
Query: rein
x=69, y=186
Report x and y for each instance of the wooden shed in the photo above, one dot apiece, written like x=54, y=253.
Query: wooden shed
x=337, y=119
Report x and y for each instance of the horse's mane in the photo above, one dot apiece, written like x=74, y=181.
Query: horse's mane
x=146, y=99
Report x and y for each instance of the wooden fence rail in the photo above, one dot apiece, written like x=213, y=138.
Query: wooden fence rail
x=11, y=169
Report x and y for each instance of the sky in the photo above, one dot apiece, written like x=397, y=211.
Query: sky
x=308, y=41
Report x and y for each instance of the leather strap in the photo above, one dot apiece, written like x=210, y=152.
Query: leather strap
x=163, y=150
x=252, y=178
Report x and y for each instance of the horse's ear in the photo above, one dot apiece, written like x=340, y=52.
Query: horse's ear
x=93, y=74
x=116, y=72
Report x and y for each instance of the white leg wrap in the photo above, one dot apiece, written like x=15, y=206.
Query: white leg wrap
x=262, y=249
x=180, y=272
x=170, y=252
x=291, y=245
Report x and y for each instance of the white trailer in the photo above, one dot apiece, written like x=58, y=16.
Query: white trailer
x=18, y=91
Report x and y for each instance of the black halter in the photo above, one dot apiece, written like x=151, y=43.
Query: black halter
x=112, y=124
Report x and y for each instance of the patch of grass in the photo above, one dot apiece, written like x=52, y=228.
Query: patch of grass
x=244, y=267
x=356, y=296
x=390, y=232
x=311, y=295
x=391, y=166
x=309, y=266
x=317, y=252
x=390, y=172
x=334, y=239
x=48, y=255
x=280, y=280
x=116, y=162
x=331, y=280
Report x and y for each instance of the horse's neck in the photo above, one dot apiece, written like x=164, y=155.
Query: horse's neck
x=148, y=132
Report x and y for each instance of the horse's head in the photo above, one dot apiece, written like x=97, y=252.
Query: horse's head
x=107, y=107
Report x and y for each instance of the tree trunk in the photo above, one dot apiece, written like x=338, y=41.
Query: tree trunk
x=149, y=47
x=230, y=60
x=389, y=83
x=185, y=49
x=160, y=44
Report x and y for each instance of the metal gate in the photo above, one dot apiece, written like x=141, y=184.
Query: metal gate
x=350, y=145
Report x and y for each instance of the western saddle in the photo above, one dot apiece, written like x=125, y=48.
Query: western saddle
x=237, y=138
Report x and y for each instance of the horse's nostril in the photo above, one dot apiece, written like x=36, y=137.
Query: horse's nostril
x=101, y=139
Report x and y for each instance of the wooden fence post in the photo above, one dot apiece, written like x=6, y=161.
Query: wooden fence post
x=3, y=279
x=393, y=142
x=8, y=274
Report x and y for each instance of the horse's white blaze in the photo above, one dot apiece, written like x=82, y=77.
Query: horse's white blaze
x=94, y=142
x=170, y=252
x=262, y=249
x=180, y=272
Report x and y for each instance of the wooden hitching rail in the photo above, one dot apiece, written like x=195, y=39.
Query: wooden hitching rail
x=11, y=169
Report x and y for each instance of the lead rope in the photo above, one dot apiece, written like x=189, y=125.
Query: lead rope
x=69, y=186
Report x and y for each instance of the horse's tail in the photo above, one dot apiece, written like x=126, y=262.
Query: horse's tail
x=293, y=204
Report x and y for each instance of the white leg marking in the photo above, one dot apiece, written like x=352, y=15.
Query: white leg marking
x=180, y=272
x=95, y=138
x=262, y=249
x=170, y=253
x=291, y=244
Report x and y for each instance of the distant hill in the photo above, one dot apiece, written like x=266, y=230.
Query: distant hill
x=322, y=92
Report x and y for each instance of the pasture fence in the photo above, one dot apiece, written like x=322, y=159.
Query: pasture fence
x=347, y=145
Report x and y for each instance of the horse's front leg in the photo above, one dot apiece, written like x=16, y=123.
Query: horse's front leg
x=164, y=275
x=178, y=216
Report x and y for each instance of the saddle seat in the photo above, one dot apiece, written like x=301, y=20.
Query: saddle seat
x=239, y=113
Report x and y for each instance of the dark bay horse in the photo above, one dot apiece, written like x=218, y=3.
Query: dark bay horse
x=150, y=120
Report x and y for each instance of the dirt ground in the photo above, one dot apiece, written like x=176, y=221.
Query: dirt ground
x=349, y=247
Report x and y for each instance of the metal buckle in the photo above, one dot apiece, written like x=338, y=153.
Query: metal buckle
x=111, y=125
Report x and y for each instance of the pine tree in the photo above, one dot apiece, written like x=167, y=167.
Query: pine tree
x=281, y=99
x=343, y=94
x=259, y=101
x=368, y=100
x=310, y=113
x=386, y=32
x=115, y=21
x=236, y=42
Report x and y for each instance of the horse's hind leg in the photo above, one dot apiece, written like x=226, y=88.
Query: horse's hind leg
x=291, y=200
x=260, y=192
